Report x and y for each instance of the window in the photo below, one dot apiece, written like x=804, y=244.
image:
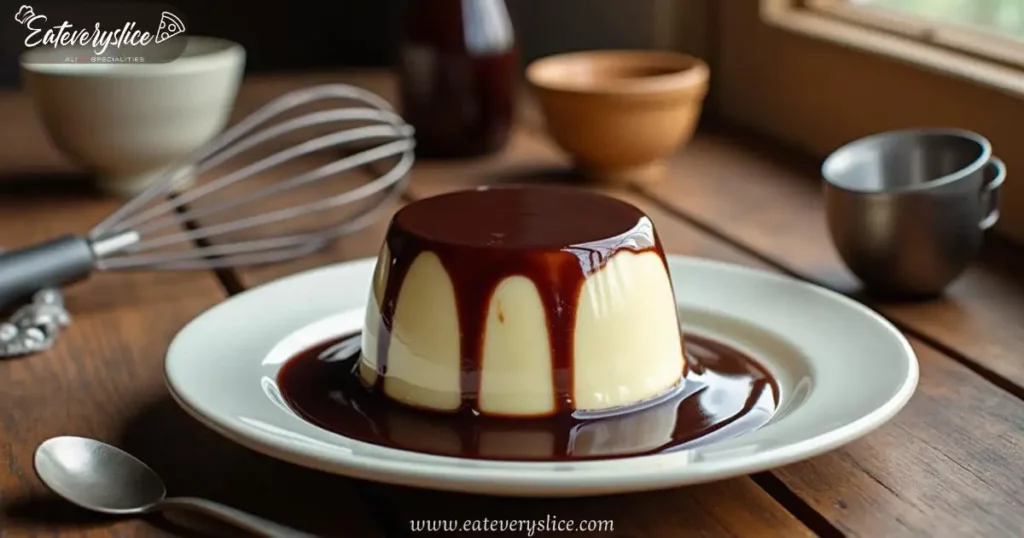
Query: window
x=816, y=74
x=989, y=29
x=1005, y=17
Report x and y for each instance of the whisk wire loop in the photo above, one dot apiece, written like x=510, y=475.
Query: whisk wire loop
x=170, y=224
x=390, y=178
x=180, y=207
x=171, y=179
x=294, y=152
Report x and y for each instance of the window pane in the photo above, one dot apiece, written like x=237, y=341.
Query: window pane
x=1002, y=16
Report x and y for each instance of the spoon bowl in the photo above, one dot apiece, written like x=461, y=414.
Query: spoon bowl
x=105, y=479
x=97, y=476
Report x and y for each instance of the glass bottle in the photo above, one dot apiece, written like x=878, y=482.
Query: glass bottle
x=458, y=76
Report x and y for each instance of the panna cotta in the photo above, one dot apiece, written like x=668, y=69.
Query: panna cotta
x=521, y=302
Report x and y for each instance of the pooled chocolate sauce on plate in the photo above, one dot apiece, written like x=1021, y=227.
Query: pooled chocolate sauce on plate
x=725, y=393
x=554, y=236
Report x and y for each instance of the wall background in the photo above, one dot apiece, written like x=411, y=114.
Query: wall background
x=317, y=34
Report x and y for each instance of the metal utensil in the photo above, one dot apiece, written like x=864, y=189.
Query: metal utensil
x=907, y=210
x=102, y=478
x=178, y=208
x=35, y=326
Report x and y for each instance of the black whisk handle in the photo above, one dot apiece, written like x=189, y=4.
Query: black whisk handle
x=56, y=263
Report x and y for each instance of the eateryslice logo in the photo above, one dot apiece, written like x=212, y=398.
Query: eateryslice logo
x=66, y=35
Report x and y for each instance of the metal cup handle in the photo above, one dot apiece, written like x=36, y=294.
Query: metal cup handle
x=995, y=175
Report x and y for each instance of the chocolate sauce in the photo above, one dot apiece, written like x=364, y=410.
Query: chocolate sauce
x=556, y=237
x=725, y=394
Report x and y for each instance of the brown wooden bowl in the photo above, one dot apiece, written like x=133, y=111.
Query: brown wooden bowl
x=619, y=114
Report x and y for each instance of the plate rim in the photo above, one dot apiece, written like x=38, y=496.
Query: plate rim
x=652, y=475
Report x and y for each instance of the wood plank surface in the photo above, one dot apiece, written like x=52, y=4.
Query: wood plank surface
x=943, y=472
x=104, y=379
x=770, y=202
x=928, y=472
x=730, y=508
x=935, y=469
x=945, y=466
x=255, y=93
x=523, y=158
x=736, y=507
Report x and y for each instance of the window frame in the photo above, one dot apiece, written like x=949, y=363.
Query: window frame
x=992, y=61
x=974, y=42
x=813, y=80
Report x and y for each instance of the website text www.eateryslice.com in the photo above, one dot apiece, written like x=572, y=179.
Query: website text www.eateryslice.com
x=526, y=527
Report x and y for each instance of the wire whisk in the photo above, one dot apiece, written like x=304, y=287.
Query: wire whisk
x=194, y=216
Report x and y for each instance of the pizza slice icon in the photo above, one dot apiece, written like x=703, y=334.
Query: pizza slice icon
x=170, y=26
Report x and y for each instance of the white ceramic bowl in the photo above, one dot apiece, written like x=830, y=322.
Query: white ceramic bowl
x=127, y=122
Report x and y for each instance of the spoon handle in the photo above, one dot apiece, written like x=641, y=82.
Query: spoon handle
x=243, y=520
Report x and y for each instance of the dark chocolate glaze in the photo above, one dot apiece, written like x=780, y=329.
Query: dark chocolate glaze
x=553, y=236
x=725, y=394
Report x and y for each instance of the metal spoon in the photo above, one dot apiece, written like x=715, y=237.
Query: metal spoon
x=102, y=478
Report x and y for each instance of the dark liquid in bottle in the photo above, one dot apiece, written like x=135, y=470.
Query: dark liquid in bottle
x=458, y=73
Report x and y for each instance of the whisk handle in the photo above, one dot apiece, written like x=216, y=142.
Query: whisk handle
x=52, y=264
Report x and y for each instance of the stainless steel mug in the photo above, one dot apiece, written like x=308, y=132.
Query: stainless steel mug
x=907, y=210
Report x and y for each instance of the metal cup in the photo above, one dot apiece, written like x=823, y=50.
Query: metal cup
x=907, y=210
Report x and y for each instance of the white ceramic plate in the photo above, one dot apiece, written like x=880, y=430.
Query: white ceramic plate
x=842, y=371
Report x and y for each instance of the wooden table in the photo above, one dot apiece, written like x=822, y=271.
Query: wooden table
x=950, y=464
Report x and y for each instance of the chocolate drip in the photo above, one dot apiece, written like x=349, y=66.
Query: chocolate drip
x=556, y=237
x=726, y=394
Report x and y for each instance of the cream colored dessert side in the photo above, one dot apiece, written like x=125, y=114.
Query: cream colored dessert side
x=516, y=376
x=627, y=343
x=371, y=322
x=626, y=340
x=423, y=355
